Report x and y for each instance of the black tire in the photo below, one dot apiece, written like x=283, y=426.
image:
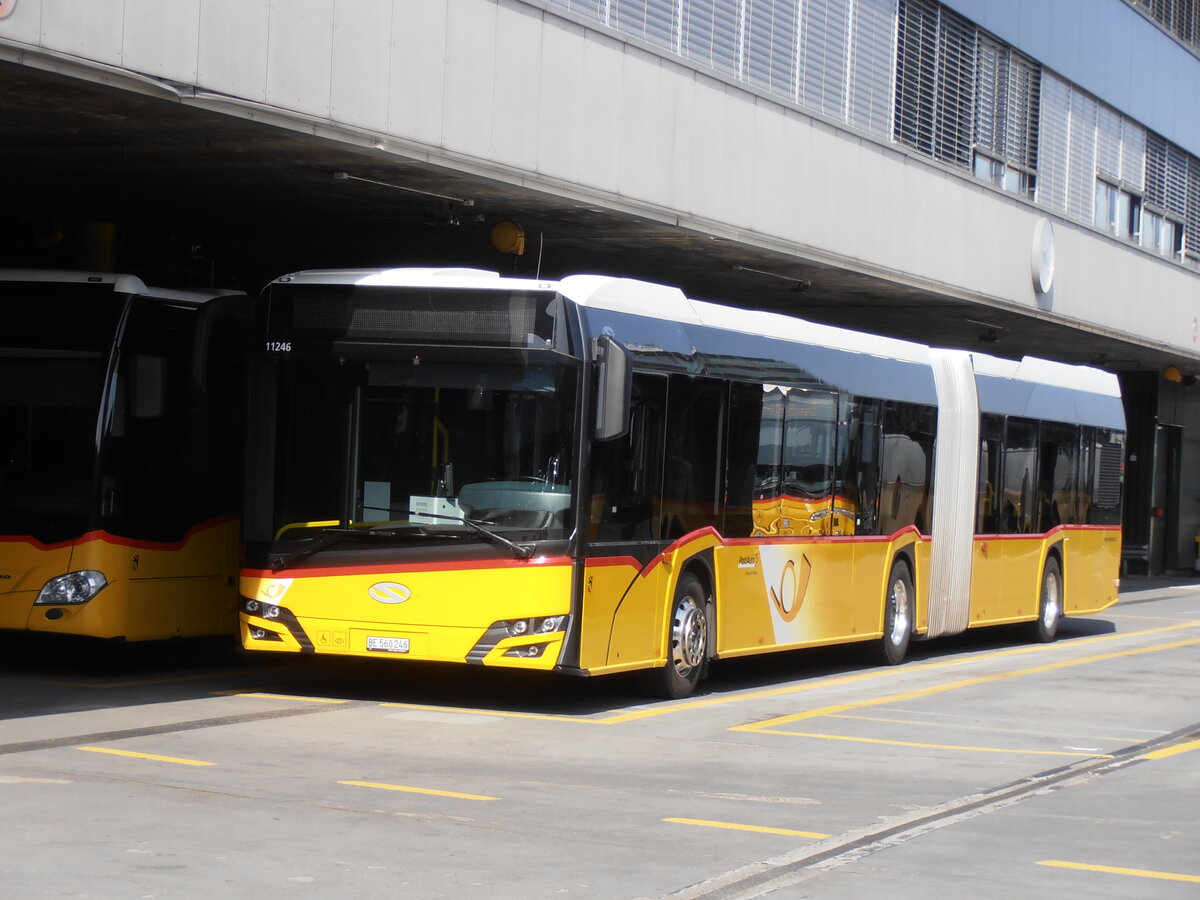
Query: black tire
x=687, y=641
x=1050, y=600
x=899, y=609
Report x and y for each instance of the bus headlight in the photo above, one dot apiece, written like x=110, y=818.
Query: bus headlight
x=71, y=589
x=546, y=625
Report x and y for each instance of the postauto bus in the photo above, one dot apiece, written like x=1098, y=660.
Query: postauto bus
x=601, y=475
x=120, y=456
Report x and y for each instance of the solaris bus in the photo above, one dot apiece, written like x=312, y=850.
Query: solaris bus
x=599, y=475
x=120, y=456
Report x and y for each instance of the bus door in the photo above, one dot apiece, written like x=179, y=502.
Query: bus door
x=622, y=597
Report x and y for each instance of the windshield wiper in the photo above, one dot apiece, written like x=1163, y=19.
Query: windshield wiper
x=331, y=536
x=522, y=551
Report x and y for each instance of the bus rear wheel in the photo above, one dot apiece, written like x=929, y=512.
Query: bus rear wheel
x=898, y=611
x=687, y=642
x=1045, y=629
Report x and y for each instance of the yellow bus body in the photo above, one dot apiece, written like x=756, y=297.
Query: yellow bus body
x=770, y=595
x=154, y=590
x=445, y=614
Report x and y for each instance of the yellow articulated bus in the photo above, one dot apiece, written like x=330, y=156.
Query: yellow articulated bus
x=600, y=475
x=119, y=456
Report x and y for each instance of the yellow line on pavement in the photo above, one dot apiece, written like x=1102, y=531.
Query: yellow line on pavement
x=863, y=740
x=417, y=790
x=546, y=717
x=1172, y=751
x=620, y=718
x=169, y=759
x=265, y=696
x=885, y=672
x=1120, y=870
x=733, y=826
x=771, y=724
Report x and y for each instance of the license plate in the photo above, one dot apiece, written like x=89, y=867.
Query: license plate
x=389, y=644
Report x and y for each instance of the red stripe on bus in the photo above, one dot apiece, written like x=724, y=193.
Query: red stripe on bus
x=116, y=540
x=1041, y=536
x=381, y=568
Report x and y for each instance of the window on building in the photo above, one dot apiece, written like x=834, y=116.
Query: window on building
x=1162, y=235
x=1007, y=86
x=935, y=81
x=1118, y=211
x=1180, y=17
x=1172, y=196
x=1004, y=175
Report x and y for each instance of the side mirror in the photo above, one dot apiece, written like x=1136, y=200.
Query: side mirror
x=149, y=386
x=614, y=387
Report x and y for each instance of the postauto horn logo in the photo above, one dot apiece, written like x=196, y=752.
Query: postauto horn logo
x=389, y=592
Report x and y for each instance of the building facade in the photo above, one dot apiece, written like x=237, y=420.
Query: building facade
x=1033, y=159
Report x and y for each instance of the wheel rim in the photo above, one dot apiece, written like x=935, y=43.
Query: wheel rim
x=899, y=603
x=688, y=634
x=1050, y=600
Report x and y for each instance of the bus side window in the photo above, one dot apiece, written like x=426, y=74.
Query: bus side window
x=1087, y=475
x=907, y=462
x=859, y=476
x=1018, y=512
x=693, y=480
x=626, y=473
x=987, y=511
x=1058, y=459
x=810, y=431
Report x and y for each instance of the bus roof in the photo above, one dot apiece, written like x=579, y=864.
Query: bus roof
x=120, y=284
x=671, y=304
x=444, y=277
x=668, y=304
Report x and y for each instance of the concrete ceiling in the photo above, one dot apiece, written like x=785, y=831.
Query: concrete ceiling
x=200, y=197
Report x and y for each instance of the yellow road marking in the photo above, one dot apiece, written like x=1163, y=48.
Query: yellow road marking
x=885, y=672
x=1149, y=618
x=1120, y=870
x=546, y=717
x=417, y=790
x=863, y=740
x=264, y=696
x=1172, y=751
x=733, y=826
x=170, y=759
x=666, y=709
x=770, y=724
x=147, y=682
x=950, y=724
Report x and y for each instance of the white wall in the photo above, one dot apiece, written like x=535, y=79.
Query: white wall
x=505, y=88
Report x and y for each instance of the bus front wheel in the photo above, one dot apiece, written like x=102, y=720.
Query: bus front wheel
x=687, y=641
x=898, y=611
x=1045, y=629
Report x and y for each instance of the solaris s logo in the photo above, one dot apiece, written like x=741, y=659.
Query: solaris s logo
x=389, y=592
x=7, y=7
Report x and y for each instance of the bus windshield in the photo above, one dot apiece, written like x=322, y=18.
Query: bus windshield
x=53, y=357
x=450, y=449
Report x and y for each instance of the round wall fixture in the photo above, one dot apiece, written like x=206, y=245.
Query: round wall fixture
x=1042, y=259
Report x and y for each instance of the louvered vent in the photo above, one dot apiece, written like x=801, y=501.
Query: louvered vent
x=1108, y=476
